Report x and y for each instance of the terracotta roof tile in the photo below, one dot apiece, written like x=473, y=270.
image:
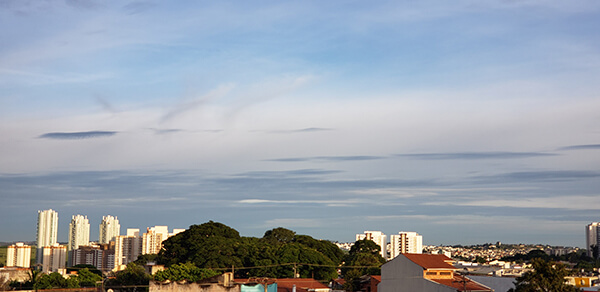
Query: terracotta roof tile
x=457, y=283
x=430, y=261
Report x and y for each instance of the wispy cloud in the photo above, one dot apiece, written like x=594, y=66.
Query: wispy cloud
x=303, y=202
x=197, y=103
x=328, y=158
x=165, y=131
x=575, y=202
x=581, y=147
x=77, y=135
x=538, y=176
x=475, y=155
x=305, y=130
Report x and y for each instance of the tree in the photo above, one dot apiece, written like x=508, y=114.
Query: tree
x=215, y=245
x=210, y=245
x=547, y=276
x=364, y=258
x=279, y=235
x=54, y=281
x=87, y=278
x=187, y=271
x=132, y=275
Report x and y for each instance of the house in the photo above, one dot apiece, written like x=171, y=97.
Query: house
x=424, y=273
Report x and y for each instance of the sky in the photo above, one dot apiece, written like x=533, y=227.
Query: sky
x=466, y=121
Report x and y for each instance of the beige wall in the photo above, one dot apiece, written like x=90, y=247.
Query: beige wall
x=191, y=287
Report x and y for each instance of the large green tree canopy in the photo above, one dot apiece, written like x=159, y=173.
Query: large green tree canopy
x=546, y=277
x=278, y=253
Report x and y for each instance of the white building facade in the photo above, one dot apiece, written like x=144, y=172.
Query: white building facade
x=109, y=229
x=79, y=232
x=592, y=236
x=405, y=242
x=47, y=230
x=54, y=259
x=127, y=248
x=378, y=237
x=18, y=255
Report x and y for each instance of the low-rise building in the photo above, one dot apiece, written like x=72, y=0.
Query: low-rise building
x=424, y=273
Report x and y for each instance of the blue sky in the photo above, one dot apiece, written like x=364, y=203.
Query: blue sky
x=466, y=121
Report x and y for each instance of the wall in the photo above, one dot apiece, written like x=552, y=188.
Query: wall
x=191, y=287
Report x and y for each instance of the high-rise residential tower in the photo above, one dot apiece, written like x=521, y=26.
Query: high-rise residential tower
x=405, y=242
x=47, y=230
x=109, y=229
x=592, y=236
x=79, y=232
x=378, y=237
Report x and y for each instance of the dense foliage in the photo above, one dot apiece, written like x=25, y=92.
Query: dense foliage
x=546, y=276
x=187, y=271
x=133, y=278
x=278, y=253
x=39, y=281
x=364, y=258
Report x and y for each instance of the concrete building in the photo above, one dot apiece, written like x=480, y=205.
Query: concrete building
x=101, y=256
x=18, y=255
x=153, y=238
x=47, y=230
x=592, y=236
x=79, y=232
x=405, y=242
x=54, y=259
x=424, y=273
x=109, y=229
x=127, y=248
x=378, y=237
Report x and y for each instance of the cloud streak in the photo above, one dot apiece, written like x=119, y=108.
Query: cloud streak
x=328, y=158
x=475, y=155
x=77, y=135
x=582, y=147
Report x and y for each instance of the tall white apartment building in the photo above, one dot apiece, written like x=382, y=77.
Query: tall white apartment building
x=54, y=259
x=378, y=237
x=18, y=255
x=592, y=236
x=405, y=242
x=127, y=248
x=153, y=238
x=109, y=229
x=47, y=230
x=79, y=232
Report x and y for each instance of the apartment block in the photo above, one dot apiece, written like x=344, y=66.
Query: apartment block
x=54, y=259
x=109, y=229
x=405, y=242
x=101, y=256
x=127, y=248
x=47, y=230
x=18, y=255
x=79, y=232
x=592, y=237
x=378, y=237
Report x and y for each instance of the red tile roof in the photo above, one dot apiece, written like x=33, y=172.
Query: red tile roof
x=458, y=284
x=430, y=261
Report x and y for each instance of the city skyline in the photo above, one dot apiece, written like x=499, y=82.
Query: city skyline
x=467, y=122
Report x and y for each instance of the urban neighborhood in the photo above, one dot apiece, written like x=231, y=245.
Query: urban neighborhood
x=214, y=257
